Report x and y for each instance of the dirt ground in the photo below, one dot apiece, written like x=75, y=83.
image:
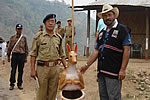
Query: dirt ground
x=131, y=89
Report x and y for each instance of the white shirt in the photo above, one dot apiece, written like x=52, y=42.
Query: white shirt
x=3, y=50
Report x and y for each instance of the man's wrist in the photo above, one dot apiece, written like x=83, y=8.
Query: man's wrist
x=123, y=70
x=32, y=68
x=65, y=67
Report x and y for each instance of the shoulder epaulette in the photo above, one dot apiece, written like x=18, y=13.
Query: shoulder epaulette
x=38, y=34
x=60, y=39
x=59, y=35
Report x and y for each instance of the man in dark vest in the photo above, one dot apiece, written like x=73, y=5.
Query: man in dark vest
x=112, y=50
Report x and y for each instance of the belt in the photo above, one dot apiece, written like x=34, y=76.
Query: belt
x=68, y=36
x=18, y=53
x=47, y=63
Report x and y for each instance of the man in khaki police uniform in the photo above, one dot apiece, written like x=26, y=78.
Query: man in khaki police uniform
x=68, y=33
x=46, y=50
x=59, y=29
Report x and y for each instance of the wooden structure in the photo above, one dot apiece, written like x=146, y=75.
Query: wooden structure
x=133, y=13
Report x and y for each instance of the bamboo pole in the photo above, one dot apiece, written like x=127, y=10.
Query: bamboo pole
x=88, y=34
x=147, y=35
x=72, y=24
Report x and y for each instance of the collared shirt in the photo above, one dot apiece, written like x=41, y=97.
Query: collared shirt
x=68, y=30
x=3, y=50
x=21, y=47
x=46, y=47
x=114, y=26
x=101, y=25
x=127, y=40
x=60, y=31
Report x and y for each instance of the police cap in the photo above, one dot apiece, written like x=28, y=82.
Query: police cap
x=58, y=22
x=19, y=26
x=48, y=17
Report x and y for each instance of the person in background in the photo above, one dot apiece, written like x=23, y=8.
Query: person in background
x=7, y=44
x=41, y=28
x=68, y=35
x=59, y=29
x=18, y=47
x=3, y=49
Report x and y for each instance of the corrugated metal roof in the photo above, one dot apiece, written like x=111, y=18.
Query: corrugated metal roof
x=145, y=3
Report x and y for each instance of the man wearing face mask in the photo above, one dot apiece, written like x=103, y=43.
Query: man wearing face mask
x=112, y=50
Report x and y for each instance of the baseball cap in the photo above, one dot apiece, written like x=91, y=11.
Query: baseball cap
x=19, y=26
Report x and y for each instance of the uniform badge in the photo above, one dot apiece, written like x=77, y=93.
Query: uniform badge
x=115, y=33
x=100, y=35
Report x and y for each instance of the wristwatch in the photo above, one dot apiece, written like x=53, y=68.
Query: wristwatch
x=86, y=65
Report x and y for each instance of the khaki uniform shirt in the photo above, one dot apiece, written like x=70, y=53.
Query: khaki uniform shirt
x=21, y=47
x=46, y=47
x=68, y=30
x=60, y=31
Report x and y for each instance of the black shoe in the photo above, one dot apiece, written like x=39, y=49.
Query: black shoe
x=20, y=87
x=11, y=87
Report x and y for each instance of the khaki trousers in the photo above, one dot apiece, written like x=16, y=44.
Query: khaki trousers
x=69, y=42
x=48, y=78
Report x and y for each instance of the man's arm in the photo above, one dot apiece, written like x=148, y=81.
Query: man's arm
x=9, y=48
x=63, y=32
x=90, y=61
x=62, y=55
x=33, y=61
x=26, y=49
x=33, y=55
x=74, y=31
x=96, y=39
x=63, y=61
x=125, y=59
